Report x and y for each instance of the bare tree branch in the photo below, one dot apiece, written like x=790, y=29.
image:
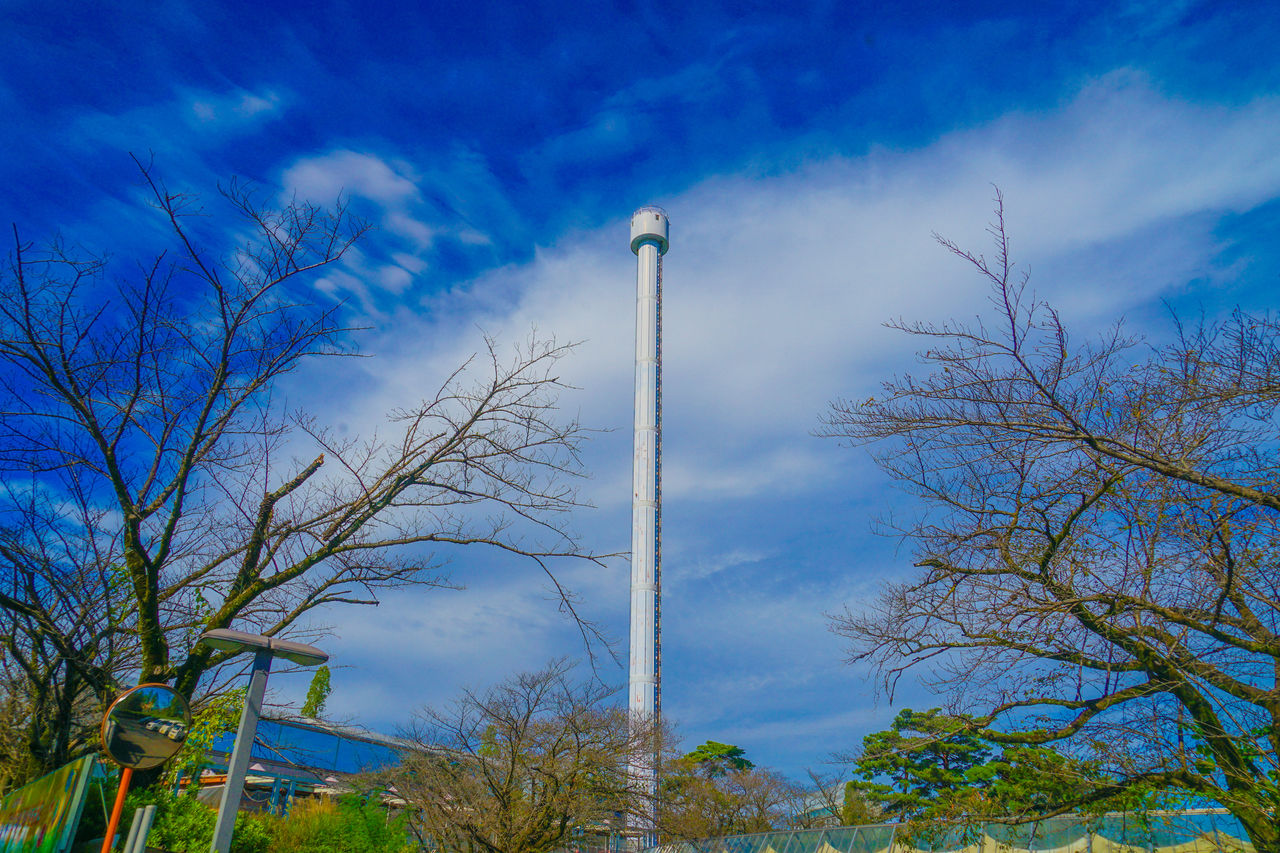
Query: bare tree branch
x=1099, y=541
x=142, y=416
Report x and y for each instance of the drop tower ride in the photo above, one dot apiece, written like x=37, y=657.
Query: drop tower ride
x=649, y=241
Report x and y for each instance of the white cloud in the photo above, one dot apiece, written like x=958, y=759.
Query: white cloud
x=775, y=292
x=178, y=129
x=231, y=108
x=829, y=728
x=705, y=566
x=349, y=173
x=419, y=647
x=776, y=288
x=416, y=206
x=419, y=234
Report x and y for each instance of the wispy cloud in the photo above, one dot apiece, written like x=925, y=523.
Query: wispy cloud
x=805, y=159
x=432, y=215
x=705, y=566
x=232, y=108
x=192, y=121
x=776, y=288
x=334, y=174
x=417, y=648
x=775, y=291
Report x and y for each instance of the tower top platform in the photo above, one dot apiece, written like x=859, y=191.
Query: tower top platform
x=649, y=225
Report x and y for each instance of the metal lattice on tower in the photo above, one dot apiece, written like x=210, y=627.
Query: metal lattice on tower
x=657, y=510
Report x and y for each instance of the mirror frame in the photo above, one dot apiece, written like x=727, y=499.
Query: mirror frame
x=106, y=718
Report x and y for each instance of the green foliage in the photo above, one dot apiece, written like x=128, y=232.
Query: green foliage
x=367, y=827
x=218, y=716
x=352, y=824
x=183, y=824
x=716, y=759
x=924, y=757
x=1026, y=780
x=931, y=771
x=317, y=693
x=489, y=747
x=855, y=810
x=715, y=790
x=312, y=826
x=253, y=834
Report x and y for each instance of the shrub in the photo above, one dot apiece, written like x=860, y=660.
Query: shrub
x=352, y=824
x=366, y=825
x=311, y=827
x=183, y=824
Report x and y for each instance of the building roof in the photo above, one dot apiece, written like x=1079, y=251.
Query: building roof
x=314, y=751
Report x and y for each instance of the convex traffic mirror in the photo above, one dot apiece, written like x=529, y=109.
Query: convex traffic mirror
x=145, y=726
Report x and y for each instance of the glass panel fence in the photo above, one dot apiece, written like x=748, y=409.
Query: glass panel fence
x=779, y=842
x=807, y=841
x=1193, y=831
x=742, y=844
x=839, y=840
x=873, y=839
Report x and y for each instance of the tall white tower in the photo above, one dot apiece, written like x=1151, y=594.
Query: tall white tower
x=649, y=232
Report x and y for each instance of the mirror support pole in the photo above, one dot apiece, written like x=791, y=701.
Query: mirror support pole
x=239, y=763
x=126, y=774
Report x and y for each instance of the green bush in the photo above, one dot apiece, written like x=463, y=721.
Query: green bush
x=254, y=834
x=367, y=826
x=311, y=827
x=183, y=824
x=353, y=824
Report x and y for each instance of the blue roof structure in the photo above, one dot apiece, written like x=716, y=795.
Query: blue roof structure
x=313, y=751
x=318, y=745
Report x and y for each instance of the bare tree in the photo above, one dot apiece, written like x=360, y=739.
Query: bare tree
x=139, y=418
x=520, y=767
x=1099, y=543
x=820, y=801
x=64, y=612
x=702, y=798
x=829, y=799
x=15, y=714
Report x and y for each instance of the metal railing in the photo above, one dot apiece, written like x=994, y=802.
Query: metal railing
x=1196, y=831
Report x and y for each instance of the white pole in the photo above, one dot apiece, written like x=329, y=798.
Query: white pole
x=144, y=820
x=134, y=826
x=238, y=766
x=649, y=240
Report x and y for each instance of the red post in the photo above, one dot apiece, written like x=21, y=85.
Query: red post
x=125, y=775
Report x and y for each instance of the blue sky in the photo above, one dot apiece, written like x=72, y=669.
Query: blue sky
x=805, y=154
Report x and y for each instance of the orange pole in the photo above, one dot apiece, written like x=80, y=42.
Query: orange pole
x=125, y=775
